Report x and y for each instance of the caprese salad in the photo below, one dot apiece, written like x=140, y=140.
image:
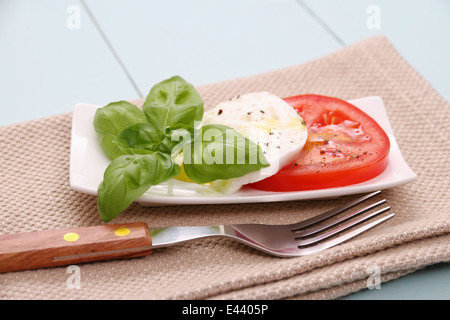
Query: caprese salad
x=258, y=140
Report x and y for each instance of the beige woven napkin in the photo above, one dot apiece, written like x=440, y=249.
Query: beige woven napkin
x=35, y=195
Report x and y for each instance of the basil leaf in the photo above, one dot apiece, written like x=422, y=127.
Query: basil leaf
x=173, y=102
x=141, y=138
x=128, y=177
x=219, y=152
x=111, y=120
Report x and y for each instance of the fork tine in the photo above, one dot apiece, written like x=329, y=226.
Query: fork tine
x=323, y=227
x=331, y=213
x=344, y=237
x=339, y=229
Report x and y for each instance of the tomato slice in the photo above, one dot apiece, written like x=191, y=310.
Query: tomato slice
x=345, y=146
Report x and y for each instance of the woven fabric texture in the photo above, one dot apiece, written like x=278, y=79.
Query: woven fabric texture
x=35, y=195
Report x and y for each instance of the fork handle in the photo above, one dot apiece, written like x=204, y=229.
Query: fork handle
x=33, y=250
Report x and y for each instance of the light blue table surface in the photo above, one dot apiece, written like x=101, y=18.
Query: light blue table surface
x=55, y=53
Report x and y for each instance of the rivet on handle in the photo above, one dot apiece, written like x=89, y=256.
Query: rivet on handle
x=122, y=232
x=71, y=237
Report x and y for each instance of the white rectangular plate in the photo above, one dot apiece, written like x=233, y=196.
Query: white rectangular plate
x=88, y=162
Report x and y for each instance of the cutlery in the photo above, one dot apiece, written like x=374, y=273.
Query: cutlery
x=42, y=249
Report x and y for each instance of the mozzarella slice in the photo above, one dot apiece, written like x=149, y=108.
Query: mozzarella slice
x=267, y=120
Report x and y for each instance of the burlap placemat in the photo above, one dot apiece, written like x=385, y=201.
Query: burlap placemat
x=35, y=195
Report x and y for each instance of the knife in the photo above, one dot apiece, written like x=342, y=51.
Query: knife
x=42, y=249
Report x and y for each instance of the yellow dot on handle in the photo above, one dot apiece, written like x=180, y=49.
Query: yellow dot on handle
x=71, y=237
x=122, y=232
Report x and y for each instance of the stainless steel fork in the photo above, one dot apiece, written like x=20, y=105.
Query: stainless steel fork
x=297, y=239
x=72, y=246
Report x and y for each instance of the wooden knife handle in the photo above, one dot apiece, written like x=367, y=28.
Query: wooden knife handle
x=33, y=250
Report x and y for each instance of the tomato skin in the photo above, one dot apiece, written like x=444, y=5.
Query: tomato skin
x=345, y=146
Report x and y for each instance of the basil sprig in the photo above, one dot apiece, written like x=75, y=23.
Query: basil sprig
x=142, y=145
